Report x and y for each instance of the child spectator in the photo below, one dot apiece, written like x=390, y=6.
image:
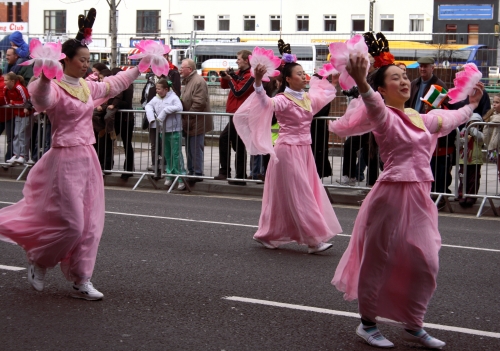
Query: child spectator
x=474, y=155
x=19, y=45
x=166, y=105
x=16, y=94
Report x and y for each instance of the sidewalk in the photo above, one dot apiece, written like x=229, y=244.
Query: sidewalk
x=338, y=194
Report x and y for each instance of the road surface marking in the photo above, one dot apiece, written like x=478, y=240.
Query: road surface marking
x=254, y=226
x=356, y=315
x=11, y=268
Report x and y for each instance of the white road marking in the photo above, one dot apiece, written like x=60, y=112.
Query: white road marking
x=254, y=226
x=11, y=268
x=356, y=315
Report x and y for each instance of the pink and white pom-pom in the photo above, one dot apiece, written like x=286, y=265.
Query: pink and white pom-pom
x=327, y=70
x=46, y=59
x=339, y=58
x=465, y=81
x=267, y=59
x=151, y=53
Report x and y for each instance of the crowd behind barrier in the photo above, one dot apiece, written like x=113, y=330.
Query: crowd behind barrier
x=154, y=167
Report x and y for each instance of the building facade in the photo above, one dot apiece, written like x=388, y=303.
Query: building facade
x=175, y=20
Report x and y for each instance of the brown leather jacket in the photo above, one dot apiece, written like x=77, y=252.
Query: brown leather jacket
x=195, y=98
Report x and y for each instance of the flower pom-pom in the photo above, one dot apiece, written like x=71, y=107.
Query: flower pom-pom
x=339, y=58
x=385, y=58
x=151, y=53
x=289, y=58
x=327, y=70
x=87, y=36
x=45, y=58
x=464, y=82
x=267, y=59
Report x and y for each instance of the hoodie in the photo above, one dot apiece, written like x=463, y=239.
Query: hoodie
x=474, y=142
x=23, y=50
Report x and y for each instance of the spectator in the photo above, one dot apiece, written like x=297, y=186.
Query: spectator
x=195, y=98
x=93, y=75
x=492, y=133
x=6, y=116
x=166, y=105
x=174, y=77
x=442, y=159
x=19, y=45
x=16, y=94
x=474, y=161
x=124, y=126
x=401, y=65
x=320, y=136
x=240, y=84
x=13, y=61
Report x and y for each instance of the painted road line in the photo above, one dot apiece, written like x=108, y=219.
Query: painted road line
x=11, y=268
x=356, y=315
x=254, y=226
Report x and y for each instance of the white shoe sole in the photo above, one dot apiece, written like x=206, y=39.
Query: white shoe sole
x=78, y=295
x=31, y=279
x=265, y=244
x=324, y=248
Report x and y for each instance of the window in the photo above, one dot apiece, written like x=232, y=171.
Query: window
x=416, y=23
x=451, y=38
x=10, y=12
x=275, y=23
x=302, y=23
x=387, y=23
x=358, y=23
x=330, y=23
x=199, y=22
x=249, y=23
x=473, y=30
x=148, y=21
x=224, y=23
x=55, y=21
x=18, y=12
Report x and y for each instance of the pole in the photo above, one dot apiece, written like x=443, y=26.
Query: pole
x=112, y=21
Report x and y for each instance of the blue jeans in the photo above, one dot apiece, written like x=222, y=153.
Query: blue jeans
x=22, y=137
x=195, y=147
x=8, y=126
x=256, y=162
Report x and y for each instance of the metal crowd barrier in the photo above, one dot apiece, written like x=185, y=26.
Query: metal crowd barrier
x=130, y=155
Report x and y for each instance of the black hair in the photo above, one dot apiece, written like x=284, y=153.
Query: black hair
x=164, y=83
x=99, y=66
x=378, y=77
x=286, y=71
x=105, y=72
x=114, y=71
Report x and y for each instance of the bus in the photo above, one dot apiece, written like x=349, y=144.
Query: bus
x=213, y=57
x=445, y=55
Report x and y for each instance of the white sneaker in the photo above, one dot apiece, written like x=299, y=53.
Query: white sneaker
x=20, y=160
x=319, y=248
x=266, y=244
x=423, y=338
x=12, y=159
x=345, y=180
x=31, y=162
x=181, y=186
x=373, y=337
x=36, y=275
x=168, y=182
x=86, y=291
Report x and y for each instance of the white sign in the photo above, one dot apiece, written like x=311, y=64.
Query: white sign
x=9, y=27
x=170, y=24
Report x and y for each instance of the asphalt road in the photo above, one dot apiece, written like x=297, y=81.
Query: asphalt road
x=177, y=270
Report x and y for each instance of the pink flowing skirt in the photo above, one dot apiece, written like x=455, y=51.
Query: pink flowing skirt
x=61, y=217
x=295, y=206
x=391, y=263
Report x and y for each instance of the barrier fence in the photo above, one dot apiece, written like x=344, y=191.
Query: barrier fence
x=154, y=154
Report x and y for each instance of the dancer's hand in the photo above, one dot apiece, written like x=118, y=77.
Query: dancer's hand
x=357, y=68
x=259, y=72
x=476, y=95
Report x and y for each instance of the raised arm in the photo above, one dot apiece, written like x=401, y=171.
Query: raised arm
x=43, y=95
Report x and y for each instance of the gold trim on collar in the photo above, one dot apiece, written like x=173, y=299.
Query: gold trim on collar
x=305, y=103
x=81, y=92
x=440, y=124
x=415, y=118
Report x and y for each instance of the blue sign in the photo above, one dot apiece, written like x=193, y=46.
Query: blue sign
x=136, y=40
x=465, y=12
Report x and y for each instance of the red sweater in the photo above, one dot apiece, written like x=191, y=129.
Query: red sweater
x=17, y=96
x=241, y=85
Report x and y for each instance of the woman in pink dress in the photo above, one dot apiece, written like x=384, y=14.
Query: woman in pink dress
x=391, y=263
x=61, y=217
x=295, y=206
